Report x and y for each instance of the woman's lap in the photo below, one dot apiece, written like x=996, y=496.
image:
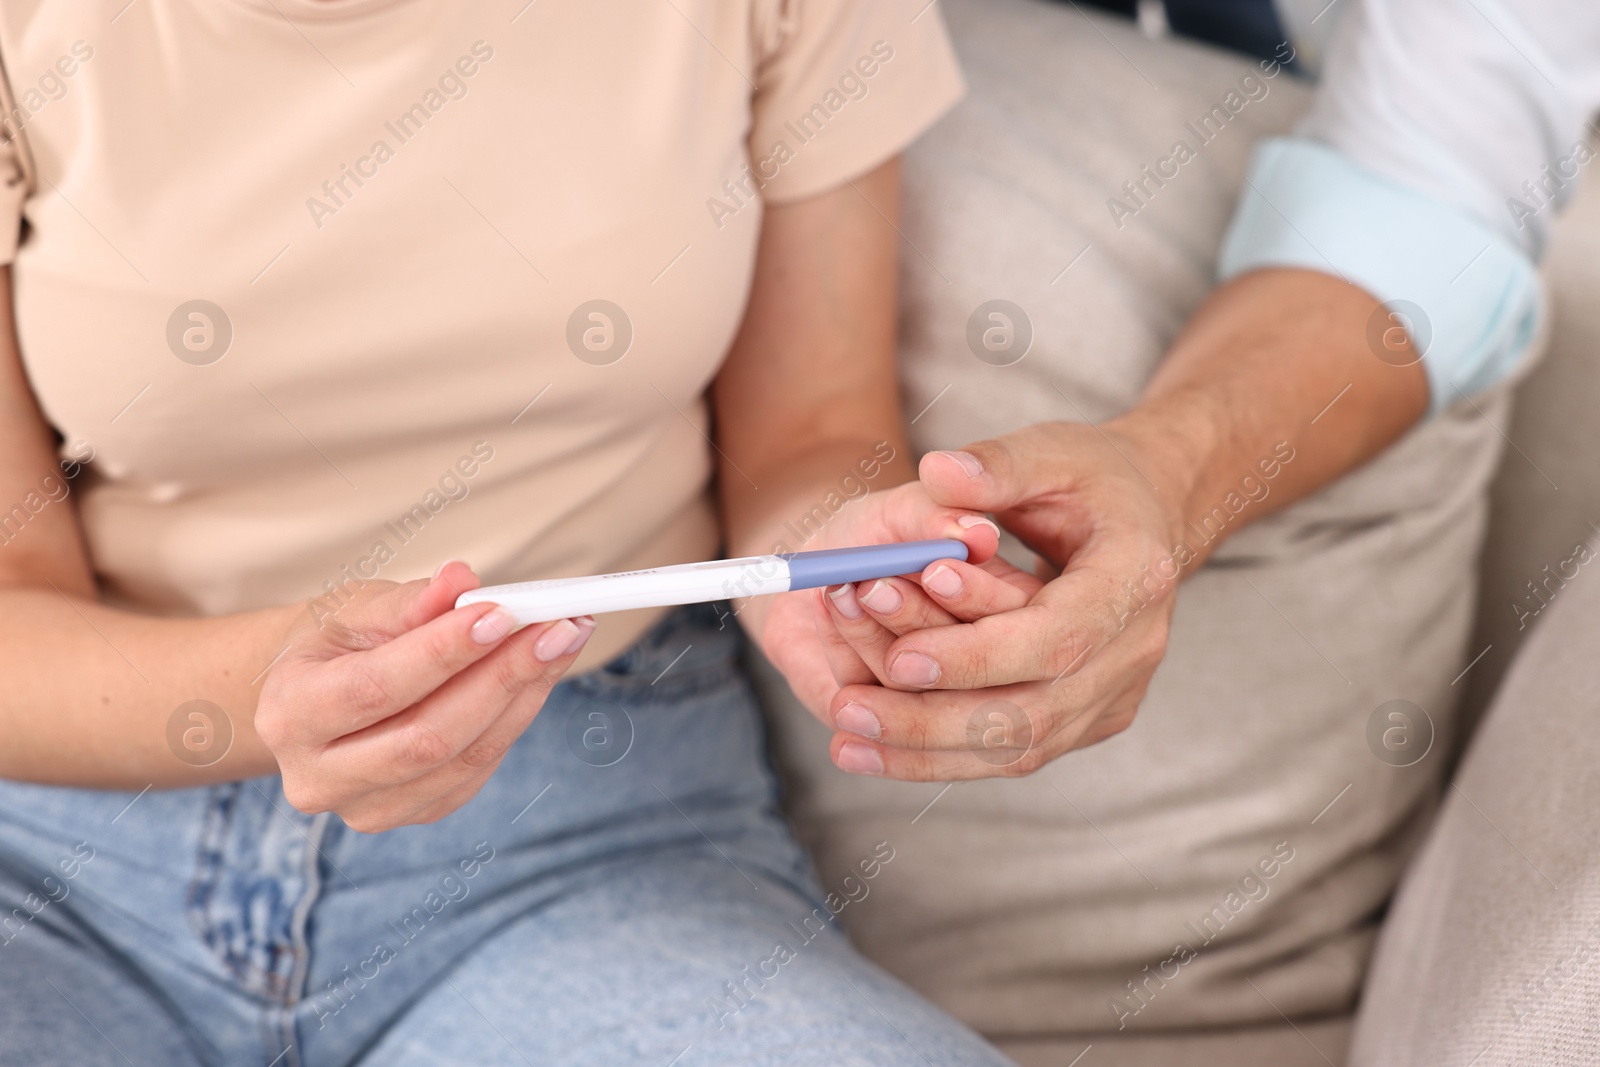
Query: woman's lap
x=668, y=961
x=68, y=1002
x=590, y=905
x=674, y=962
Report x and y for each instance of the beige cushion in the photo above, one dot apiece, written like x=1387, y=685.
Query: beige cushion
x=1030, y=907
x=1310, y=1043
x=1491, y=954
x=1545, y=493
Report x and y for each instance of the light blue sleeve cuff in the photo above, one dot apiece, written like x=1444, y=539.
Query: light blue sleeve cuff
x=1470, y=299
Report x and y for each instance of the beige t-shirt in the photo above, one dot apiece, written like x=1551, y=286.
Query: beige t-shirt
x=339, y=289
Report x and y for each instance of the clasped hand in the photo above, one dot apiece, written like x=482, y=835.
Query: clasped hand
x=980, y=670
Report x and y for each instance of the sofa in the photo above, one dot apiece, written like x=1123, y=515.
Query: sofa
x=1491, y=947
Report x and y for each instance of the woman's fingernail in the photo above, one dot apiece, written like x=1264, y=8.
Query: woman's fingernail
x=586, y=628
x=944, y=581
x=967, y=462
x=562, y=639
x=913, y=668
x=443, y=565
x=967, y=522
x=860, y=759
x=883, y=598
x=858, y=720
x=493, y=626
x=844, y=601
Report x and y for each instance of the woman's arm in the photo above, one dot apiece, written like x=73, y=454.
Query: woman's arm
x=807, y=405
x=88, y=690
x=809, y=386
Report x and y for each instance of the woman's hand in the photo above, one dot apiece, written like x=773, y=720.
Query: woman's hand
x=980, y=671
x=786, y=625
x=400, y=707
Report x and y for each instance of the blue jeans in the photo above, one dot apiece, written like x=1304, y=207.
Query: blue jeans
x=622, y=891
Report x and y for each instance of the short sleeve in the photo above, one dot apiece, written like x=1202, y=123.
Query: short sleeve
x=843, y=85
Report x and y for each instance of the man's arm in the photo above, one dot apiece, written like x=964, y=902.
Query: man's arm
x=1273, y=360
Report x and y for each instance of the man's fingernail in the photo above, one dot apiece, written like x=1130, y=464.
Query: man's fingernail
x=844, y=601
x=858, y=720
x=883, y=598
x=967, y=462
x=944, y=581
x=967, y=522
x=493, y=626
x=913, y=668
x=442, y=566
x=860, y=759
x=562, y=639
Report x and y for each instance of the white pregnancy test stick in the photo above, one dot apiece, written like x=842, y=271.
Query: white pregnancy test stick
x=723, y=579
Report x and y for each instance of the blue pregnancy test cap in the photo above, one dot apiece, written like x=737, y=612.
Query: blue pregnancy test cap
x=835, y=566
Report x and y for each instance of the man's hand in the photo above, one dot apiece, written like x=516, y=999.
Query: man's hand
x=986, y=670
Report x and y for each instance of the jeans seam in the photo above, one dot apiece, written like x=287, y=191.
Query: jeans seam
x=221, y=803
x=295, y=989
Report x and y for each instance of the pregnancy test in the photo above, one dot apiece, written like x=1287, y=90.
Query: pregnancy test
x=697, y=583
